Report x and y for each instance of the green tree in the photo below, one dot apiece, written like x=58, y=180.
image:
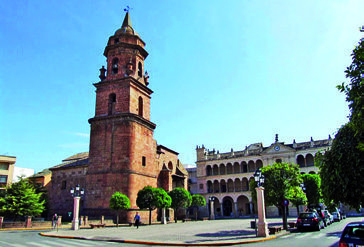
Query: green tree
x=297, y=197
x=21, y=199
x=145, y=200
x=342, y=170
x=312, y=184
x=162, y=200
x=119, y=202
x=197, y=201
x=279, y=178
x=151, y=198
x=181, y=198
x=355, y=92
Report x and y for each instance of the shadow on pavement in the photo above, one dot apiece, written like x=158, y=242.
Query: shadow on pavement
x=224, y=235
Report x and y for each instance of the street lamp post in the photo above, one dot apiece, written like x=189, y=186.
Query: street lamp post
x=76, y=193
x=212, y=213
x=303, y=187
x=262, y=223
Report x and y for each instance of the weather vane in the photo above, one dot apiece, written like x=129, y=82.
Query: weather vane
x=127, y=9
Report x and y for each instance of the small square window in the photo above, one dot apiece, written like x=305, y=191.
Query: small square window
x=64, y=185
x=201, y=186
x=144, y=161
x=4, y=167
x=3, y=179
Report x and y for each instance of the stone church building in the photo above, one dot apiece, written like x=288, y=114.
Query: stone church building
x=123, y=155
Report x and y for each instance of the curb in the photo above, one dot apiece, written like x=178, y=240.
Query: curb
x=163, y=244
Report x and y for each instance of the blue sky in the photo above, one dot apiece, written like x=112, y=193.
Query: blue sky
x=225, y=74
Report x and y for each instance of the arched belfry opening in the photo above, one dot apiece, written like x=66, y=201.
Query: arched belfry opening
x=140, y=69
x=140, y=109
x=112, y=103
x=115, y=66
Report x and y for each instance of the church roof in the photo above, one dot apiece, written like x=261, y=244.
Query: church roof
x=76, y=157
x=80, y=159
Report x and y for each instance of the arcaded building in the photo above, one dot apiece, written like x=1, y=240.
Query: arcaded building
x=123, y=154
x=225, y=176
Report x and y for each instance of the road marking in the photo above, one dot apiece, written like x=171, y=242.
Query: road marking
x=319, y=235
x=304, y=235
x=13, y=245
x=287, y=236
x=77, y=243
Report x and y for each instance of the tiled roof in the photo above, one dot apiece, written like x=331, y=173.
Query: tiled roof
x=76, y=157
x=41, y=174
x=73, y=161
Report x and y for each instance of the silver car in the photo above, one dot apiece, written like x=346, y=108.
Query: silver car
x=336, y=214
x=328, y=215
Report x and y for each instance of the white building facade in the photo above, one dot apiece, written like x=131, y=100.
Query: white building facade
x=225, y=176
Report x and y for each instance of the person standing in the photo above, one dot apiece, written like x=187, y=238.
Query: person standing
x=137, y=220
x=54, y=220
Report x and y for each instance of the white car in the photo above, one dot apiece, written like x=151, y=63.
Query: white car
x=330, y=216
x=337, y=216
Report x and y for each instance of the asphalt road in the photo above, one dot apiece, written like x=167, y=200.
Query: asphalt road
x=33, y=239
x=328, y=237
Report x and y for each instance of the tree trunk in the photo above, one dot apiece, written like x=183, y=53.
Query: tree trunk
x=175, y=215
x=163, y=216
x=284, y=218
x=196, y=213
x=298, y=210
x=117, y=219
x=150, y=216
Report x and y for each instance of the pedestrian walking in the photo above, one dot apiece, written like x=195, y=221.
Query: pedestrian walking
x=54, y=220
x=137, y=220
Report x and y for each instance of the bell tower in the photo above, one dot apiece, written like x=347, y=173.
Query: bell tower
x=122, y=154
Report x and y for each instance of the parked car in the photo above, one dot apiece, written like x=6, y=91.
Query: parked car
x=353, y=235
x=324, y=218
x=329, y=216
x=309, y=220
x=336, y=214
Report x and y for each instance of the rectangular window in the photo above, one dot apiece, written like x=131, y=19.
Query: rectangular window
x=3, y=179
x=64, y=185
x=144, y=161
x=4, y=167
x=201, y=186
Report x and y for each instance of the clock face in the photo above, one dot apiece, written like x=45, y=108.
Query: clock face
x=277, y=148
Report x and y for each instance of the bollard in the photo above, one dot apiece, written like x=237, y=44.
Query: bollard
x=102, y=219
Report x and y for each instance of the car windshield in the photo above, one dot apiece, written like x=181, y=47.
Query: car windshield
x=306, y=215
x=356, y=232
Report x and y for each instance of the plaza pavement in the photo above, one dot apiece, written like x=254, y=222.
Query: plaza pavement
x=216, y=232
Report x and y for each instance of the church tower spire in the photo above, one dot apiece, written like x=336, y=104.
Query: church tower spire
x=122, y=148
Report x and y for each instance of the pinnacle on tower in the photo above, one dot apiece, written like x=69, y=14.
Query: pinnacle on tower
x=126, y=26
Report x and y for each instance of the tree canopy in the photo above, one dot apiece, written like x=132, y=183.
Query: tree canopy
x=20, y=199
x=297, y=197
x=341, y=168
x=355, y=92
x=198, y=201
x=118, y=202
x=279, y=179
x=151, y=198
x=312, y=184
x=342, y=171
x=181, y=198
